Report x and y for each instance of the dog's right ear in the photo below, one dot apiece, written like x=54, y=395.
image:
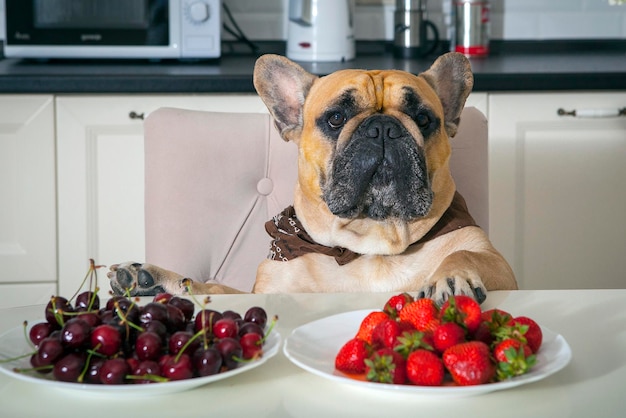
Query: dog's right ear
x=283, y=86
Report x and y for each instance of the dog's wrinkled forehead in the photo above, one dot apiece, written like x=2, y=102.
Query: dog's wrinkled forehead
x=363, y=93
x=376, y=90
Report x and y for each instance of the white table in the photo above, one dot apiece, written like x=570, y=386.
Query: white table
x=593, y=385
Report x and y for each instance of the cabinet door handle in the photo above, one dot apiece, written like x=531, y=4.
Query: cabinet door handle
x=135, y=115
x=592, y=113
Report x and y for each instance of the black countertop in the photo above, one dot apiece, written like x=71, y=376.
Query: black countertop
x=522, y=69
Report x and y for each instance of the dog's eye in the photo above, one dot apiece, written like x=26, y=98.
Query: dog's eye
x=336, y=120
x=422, y=120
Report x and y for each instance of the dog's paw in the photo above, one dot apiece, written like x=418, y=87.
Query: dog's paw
x=442, y=289
x=134, y=279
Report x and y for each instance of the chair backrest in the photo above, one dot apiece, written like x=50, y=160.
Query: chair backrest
x=469, y=164
x=214, y=179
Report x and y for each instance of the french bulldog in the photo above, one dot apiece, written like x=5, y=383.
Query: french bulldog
x=375, y=205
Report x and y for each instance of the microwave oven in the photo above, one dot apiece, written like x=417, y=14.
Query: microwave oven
x=153, y=29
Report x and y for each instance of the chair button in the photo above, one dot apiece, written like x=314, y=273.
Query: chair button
x=265, y=186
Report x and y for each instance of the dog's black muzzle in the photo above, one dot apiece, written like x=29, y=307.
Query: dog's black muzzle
x=380, y=173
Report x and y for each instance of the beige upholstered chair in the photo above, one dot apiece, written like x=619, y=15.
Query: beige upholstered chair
x=214, y=179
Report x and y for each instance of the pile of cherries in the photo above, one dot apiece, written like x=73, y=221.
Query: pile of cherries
x=123, y=342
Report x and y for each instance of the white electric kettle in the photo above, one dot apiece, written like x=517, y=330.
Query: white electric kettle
x=320, y=30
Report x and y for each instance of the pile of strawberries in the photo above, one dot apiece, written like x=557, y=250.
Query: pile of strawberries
x=413, y=341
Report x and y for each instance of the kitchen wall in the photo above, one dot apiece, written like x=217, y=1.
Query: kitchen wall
x=511, y=19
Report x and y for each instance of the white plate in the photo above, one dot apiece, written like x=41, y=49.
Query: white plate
x=313, y=347
x=13, y=344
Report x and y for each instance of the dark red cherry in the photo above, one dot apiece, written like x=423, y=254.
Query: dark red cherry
x=148, y=346
x=35, y=362
x=88, y=300
x=179, y=339
x=225, y=327
x=114, y=371
x=147, y=367
x=40, y=331
x=93, y=370
x=184, y=305
x=69, y=367
x=206, y=318
x=91, y=317
x=75, y=333
x=153, y=311
x=107, y=338
x=251, y=345
x=157, y=327
x=231, y=314
x=176, y=369
x=231, y=352
x=57, y=310
x=49, y=351
x=162, y=298
x=111, y=302
x=251, y=327
x=126, y=310
x=257, y=315
x=206, y=361
x=175, y=318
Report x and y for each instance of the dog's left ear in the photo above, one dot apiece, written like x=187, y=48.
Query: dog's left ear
x=451, y=77
x=283, y=86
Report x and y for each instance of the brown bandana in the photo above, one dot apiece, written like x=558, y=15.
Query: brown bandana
x=290, y=240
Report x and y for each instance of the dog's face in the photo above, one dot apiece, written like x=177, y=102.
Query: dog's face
x=373, y=147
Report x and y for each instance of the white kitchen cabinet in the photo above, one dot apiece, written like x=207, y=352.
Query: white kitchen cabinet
x=557, y=194
x=101, y=175
x=28, y=268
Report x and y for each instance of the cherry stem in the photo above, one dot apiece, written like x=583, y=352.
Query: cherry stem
x=8, y=360
x=33, y=369
x=94, y=294
x=92, y=274
x=188, y=343
x=58, y=313
x=124, y=317
x=269, y=330
x=90, y=354
x=147, y=376
x=186, y=282
x=26, y=337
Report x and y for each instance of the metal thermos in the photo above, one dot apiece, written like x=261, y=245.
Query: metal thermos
x=472, y=27
x=411, y=30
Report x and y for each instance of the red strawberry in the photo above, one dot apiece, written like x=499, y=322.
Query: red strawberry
x=395, y=304
x=386, y=333
x=368, y=324
x=469, y=363
x=423, y=314
x=533, y=334
x=463, y=310
x=351, y=356
x=499, y=351
x=448, y=334
x=410, y=341
x=514, y=358
x=386, y=366
x=492, y=320
x=424, y=368
x=496, y=316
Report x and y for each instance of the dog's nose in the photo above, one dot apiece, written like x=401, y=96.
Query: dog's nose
x=383, y=127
